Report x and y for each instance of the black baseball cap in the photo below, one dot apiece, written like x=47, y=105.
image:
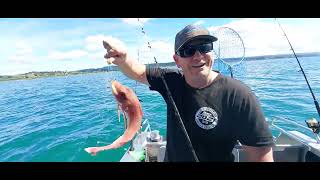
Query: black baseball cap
x=192, y=32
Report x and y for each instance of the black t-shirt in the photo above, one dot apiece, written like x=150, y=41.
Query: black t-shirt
x=215, y=117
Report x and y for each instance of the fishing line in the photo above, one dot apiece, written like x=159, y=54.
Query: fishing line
x=170, y=97
x=301, y=69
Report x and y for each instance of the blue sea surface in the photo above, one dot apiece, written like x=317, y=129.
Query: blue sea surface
x=54, y=119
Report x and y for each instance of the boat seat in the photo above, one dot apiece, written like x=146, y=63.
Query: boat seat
x=295, y=153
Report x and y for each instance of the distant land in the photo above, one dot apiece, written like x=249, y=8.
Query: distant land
x=280, y=56
x=33, y=75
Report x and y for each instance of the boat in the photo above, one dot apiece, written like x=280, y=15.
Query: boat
x=294, y=145
x=290, y=145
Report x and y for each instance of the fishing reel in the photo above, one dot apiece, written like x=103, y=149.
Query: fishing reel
x=314, y=125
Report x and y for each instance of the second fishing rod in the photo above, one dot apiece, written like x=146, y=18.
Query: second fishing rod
x=304, y=75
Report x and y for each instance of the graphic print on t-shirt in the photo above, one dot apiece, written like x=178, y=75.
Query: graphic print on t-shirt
x=206, y=118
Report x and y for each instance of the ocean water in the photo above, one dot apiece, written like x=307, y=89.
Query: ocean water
x=54, y=119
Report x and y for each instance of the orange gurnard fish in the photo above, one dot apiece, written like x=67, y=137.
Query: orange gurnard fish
x=131, y=108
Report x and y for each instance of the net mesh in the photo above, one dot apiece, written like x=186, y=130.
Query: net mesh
x=229, y=51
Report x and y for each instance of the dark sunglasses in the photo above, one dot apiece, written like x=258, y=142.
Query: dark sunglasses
x=189, y=50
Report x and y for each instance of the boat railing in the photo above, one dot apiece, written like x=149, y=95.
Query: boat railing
x=291, y=122
x=274, y=119
x=147, y=126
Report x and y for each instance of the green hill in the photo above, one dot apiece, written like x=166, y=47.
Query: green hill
x=33, y=75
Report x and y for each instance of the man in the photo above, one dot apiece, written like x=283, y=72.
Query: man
x=217, y=111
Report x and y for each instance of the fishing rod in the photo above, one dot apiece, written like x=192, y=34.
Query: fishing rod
x=314, y=98
x=173, y=103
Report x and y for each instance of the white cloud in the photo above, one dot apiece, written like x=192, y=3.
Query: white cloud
x=67, y=55
x=115, y=42
x=265, y=38
x=22, y=59
x=199, y=22
x=162, y=50
x=162, y=46
x=96, y=51
x=23, y=53
x=14, y=69
x=94, y=43
x=23, y=48
x=134, y=21
x=99, y=55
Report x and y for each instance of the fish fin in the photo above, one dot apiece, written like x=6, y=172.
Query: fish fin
x=125, y=119
x=118, y=107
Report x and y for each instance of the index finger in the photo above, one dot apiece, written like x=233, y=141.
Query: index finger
x=106, y=45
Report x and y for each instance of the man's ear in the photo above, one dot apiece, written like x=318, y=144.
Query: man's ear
x=176, y=59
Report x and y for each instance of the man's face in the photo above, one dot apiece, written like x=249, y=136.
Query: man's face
x=198, y=64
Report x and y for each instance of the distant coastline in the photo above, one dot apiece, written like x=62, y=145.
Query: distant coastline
x=34, y=75
x=280, y=56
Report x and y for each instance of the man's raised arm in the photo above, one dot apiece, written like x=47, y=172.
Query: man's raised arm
x=117, y=54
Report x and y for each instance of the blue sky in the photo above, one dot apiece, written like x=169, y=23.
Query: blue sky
x=71, y=44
